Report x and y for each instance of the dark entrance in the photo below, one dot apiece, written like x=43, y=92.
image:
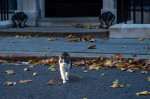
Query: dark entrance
x=72, y=8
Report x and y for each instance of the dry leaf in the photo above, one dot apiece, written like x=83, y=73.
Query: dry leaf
x=123, y=69
x=10, y=83
x=2, y=61
x=51, y=82
x=53, y=70
x=10, y=71
x=83, y=67
x=140, y=39
x=12, y=41
x=31, y=66
x=123, y=85
x=35, y=74
x=46, y=47
x=85, y=71
x=124, y=46
x=92, y=47
x=25, y=81
x=144, y=72
x=130, y=70
x=148, y=78
x=26, y=69
x=143, y=93
x=113, y=86
x=59, y=83
x=51, y=39
x=104, y=74
x=76, y=76
x=92, y=40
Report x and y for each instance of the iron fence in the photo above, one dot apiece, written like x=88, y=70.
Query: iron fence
x=4, y=10
x=136, y=10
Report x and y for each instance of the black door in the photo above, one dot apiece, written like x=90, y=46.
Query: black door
x=72, y=8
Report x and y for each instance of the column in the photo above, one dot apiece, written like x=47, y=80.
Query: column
x=42, y=8
x=19, y=5
x=31, y=8
x=110, y=5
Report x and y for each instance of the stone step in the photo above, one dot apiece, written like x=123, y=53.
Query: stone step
x=68, y=21
x=130, y=31
x=55, y=31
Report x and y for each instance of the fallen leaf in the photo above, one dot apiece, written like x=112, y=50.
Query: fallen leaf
x=51, y=39
x=121, y=85
x=51, y=67
x=10, y=72
x=104, y=74
x=124, y=46
x=59, y=83
x=26, y=63
x=73, y=40
x=70, y=36
x=2, y=61
x=143, y=93
x=92, y=40
x=113, y=86
x=83, y=67
x=85, y=71
x=130, y=70
x=12, y=41
x=51, y=82
x=92, y=47
x=25, y=81
x=148, y=78
x=31, y=66
x=144, y=72
x=46, y=47
x=116, y=82
x=123, y=69
x=35, y=74
x=140, y=39
x=10, y=83
x=76, y=76
x=53, y=70
x=26, y=69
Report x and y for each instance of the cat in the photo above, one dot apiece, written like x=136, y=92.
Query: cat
x=65, y=66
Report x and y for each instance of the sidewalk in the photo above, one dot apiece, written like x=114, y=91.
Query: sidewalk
x=34, y=47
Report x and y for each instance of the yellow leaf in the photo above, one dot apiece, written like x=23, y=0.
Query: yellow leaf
x=143, y=93
x=85, y=71
x=34, y=74
x=140, y=39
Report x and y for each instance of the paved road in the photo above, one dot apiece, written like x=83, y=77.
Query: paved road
x=35, y=47
x=91, y=85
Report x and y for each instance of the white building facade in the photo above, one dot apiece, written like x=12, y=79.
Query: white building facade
x=35, y=9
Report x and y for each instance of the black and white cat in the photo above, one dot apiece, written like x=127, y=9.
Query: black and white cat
x=65, y=66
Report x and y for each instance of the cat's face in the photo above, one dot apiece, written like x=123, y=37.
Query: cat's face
x=64, y=59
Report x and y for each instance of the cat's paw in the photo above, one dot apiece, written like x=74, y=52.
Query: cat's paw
x=64, y=82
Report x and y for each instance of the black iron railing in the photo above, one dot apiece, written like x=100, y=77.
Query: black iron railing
x=127, y=10
x=4, y=10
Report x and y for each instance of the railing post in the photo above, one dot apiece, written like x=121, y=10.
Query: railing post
x=134, y=11
x=7, y=13
x=142, y=11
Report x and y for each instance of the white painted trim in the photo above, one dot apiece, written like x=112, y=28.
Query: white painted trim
x=42, y=8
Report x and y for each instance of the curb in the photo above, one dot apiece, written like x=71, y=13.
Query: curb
x=56, y=34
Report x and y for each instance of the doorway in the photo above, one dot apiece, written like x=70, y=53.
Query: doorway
x=73, y=8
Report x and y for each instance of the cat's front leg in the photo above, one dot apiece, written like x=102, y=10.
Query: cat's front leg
x=63, y=76
x=67, y=75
